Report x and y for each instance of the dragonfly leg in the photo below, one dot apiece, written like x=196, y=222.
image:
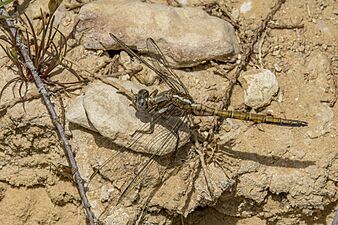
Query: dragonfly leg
x=175, y=133
x=152, y=110
x=200, y=150
x=206, y=173
x=154, y=93
x=150, y=130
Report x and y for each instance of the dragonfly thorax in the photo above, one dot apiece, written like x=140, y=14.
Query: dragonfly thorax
x=141, y=100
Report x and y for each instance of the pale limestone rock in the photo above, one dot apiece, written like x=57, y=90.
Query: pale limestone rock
x=318, y=67
x=324, y=121
x=317, y=73
x=121, y=215
x=77, y=114
x=103, y=110
x=246, y=7
x=187, y=36
x=259, y=87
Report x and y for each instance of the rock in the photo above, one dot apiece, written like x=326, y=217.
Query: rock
x=246, y=7
x=174, y=196
x=121, y=216
x=59, y=196
x=335, y=219
x=327, y=30
x=277, y=67
x=111, y=114
x=318, y=65
x=187, y=36
x=77, y=114
x=318, y=73
x=324, y=121
x=260, y=86
x=318, y=68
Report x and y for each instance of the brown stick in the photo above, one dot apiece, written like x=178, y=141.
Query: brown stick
x=30, y=97
x=245, y=60
x=105, y=80
x=335, y=219
x=15, y=101
x=247, y=54
x=131, y=72
x=55, y=119
x=285, y=26
x=334, y=82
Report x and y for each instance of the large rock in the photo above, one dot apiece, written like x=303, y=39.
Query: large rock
x=187, y=36
x=104, y=110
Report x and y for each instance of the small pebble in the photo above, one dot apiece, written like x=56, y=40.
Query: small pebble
x=277, y=67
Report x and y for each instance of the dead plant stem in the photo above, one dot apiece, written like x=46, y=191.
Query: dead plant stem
x=60, y=130
x=248, y=52
x=246, y=59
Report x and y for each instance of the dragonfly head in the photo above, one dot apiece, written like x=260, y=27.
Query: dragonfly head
x=141, y=100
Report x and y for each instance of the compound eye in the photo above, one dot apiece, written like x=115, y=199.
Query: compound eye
x=141, y=100
x=144, y=93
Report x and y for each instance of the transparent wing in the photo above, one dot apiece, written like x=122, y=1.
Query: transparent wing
x=170, y=78
x=165, y=139
x=165, y=68
x=127, y=170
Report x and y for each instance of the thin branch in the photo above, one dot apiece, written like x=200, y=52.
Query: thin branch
x=32, y=96
x=260, y=50
x=131, y=72
x=335, y=219
x=246, y=59
x=334, y=84
x=105, y=80
x=55, y=119
x=247, y=54
x=285, y=26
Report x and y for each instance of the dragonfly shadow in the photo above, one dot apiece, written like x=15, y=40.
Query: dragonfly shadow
x=175, y=162
x=275, y=161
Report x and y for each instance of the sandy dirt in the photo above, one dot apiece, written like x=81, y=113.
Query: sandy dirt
x=277, y=175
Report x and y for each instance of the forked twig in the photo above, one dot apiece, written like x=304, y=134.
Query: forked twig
x=221, y=11
x=248, y=52
x=55, y=119
x=246, y=58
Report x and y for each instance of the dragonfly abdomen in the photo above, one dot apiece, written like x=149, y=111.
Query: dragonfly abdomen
x=202, y=110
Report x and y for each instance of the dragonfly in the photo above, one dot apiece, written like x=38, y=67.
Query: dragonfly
x=173, y=102
x=178, y=97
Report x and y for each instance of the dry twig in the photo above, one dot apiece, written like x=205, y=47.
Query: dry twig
x=334, y=82
x=105, y=80
x=246, y=58
x=24, y=50
x=248, y=52
x=285, y=26
x=222, y=12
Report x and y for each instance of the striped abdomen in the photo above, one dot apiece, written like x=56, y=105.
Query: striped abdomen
x=202, y=110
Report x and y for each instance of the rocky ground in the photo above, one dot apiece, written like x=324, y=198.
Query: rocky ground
x=251, y=173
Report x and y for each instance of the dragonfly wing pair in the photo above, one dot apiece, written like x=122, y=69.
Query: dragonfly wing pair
x=159, y=65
